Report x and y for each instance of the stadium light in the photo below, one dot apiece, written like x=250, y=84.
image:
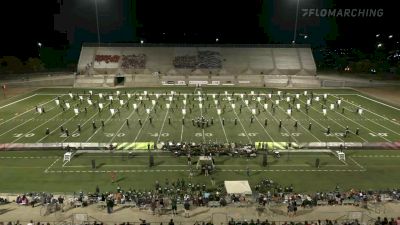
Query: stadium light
x=390, y=36
x=39, y=44
x=216, y=39
x=141, y=41
x=379, y=45
x=377, y=35
x=97, y=22
x=305, y=36
x=295, y=24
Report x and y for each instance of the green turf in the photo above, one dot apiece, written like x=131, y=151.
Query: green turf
x=19, y=123
x=370, y=169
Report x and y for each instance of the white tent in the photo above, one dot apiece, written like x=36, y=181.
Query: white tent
x=238, y=187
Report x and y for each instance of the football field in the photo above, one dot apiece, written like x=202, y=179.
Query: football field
x=136, y=119
x=257, y=114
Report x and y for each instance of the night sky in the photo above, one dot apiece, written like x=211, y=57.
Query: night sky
x=65, y=24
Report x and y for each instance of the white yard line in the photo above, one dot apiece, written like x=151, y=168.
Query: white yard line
x=122, y=126
x=358, y=164
x=370, y=110
x=41, y=139
x=162, y=126
x=354, y=121
x=38, y=126
x=97, y=129
x=378, y=102
x=240, y=121
x=12, y=103
x=181, y=133
x=223, y=128
x=25, y=112
x=202, y=129
x=320, y=124
x=282, y=126
x=272, y=139
x=91, y=118
x=47, y=170
x=291, y=117
x=144, y=123
x=381, y=125
x=16, y=127
x=378, y=123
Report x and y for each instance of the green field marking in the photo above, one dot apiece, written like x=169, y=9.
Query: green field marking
x=134, y=145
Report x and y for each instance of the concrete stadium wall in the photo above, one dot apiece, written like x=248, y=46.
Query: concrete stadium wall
x=147, y=80
x=235, y=60
x=67, y=80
